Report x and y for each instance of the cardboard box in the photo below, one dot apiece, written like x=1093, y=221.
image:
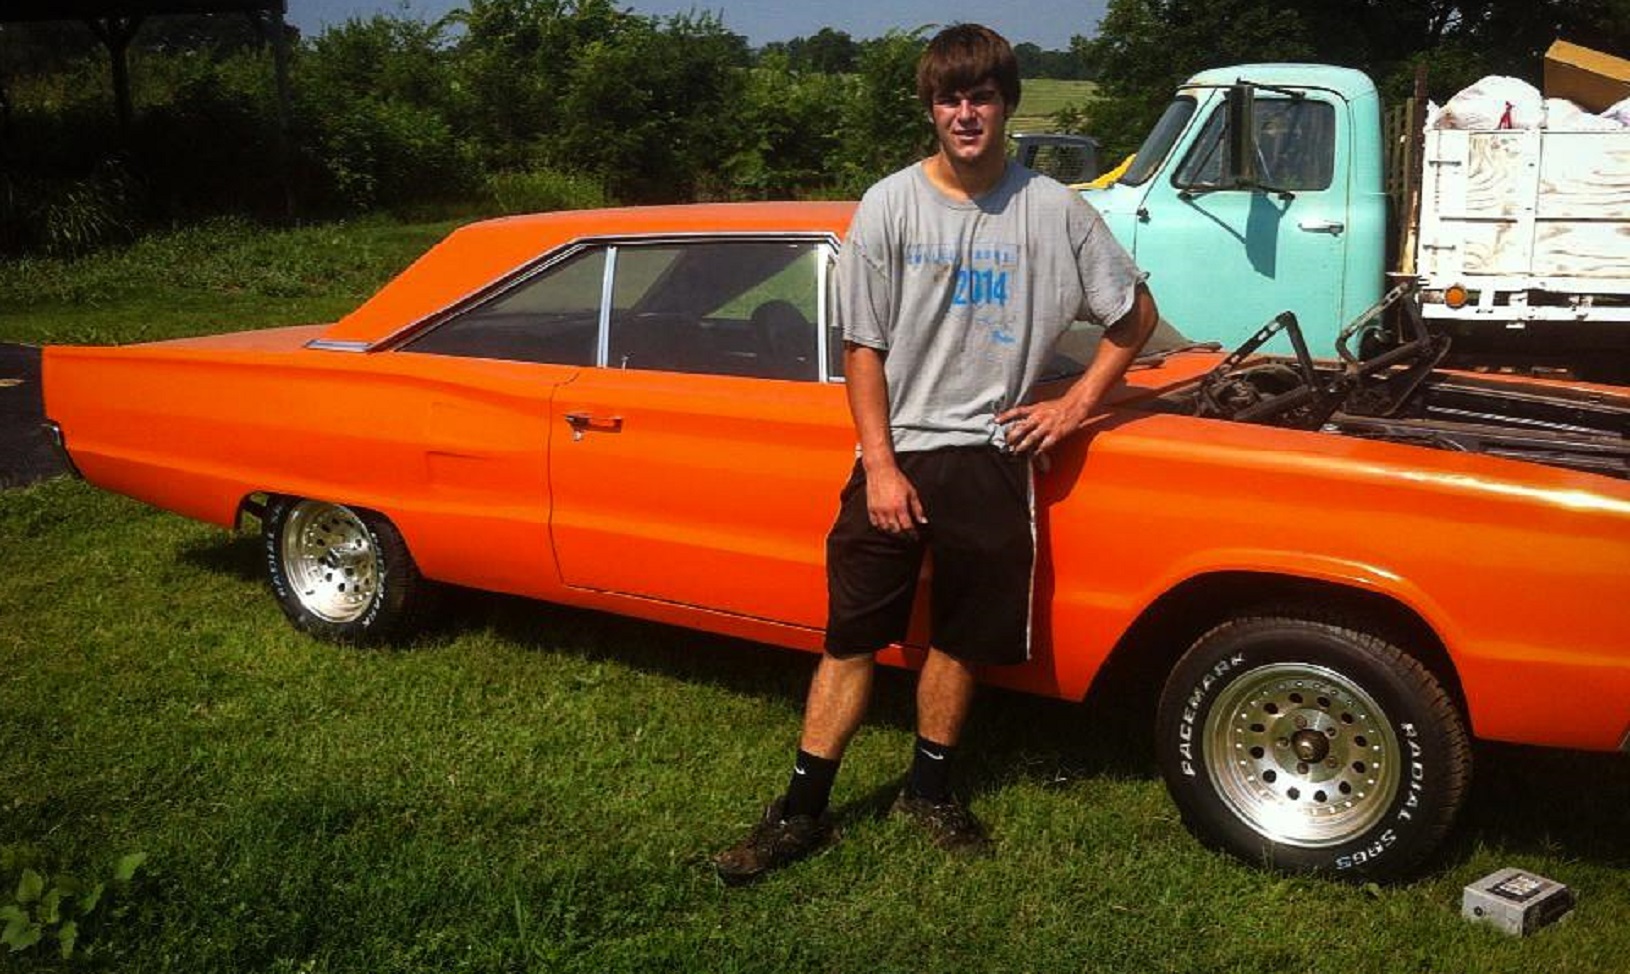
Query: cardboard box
x=1591, y=79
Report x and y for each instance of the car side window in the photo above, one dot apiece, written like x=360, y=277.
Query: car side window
x=1296, y=146
x=552, y=317
x=742, y=308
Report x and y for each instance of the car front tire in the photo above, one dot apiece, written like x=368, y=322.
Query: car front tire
x=1310, y=746
x=340, y=573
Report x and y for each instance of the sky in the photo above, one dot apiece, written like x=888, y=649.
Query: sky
x=1047, y=23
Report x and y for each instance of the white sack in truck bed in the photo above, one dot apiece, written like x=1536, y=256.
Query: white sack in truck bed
x=1498, y=102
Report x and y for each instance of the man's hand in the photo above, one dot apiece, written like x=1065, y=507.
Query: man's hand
x=1036, y=428
x=892, y=503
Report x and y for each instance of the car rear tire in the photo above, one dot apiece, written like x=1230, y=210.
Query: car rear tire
x=341, y=573
x=1309, y=746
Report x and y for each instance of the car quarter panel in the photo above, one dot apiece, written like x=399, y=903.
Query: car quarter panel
x=451, y=450
x=1518, y=568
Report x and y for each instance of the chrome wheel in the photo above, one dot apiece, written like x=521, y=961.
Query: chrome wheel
x=328, y=556
x=1301, y=754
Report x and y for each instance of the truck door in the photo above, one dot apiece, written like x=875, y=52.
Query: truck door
x=1225, y=260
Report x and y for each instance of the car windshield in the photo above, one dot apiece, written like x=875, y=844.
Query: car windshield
x=1080, y=343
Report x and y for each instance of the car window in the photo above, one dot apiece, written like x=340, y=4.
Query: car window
x=1296, y=146
x=553, y=316
x=745, y=308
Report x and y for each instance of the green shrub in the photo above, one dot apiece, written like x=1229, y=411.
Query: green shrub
x=541, y=190
x=67, y=216
x=380, y=153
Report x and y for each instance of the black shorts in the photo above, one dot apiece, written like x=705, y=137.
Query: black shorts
x=981, y=539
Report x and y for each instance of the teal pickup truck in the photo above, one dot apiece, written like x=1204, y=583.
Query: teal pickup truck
x=1267, y=188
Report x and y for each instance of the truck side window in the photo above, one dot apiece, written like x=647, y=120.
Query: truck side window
x=1296, y=146
x=1152, y=153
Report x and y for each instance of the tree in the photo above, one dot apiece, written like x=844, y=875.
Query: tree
x=651, y=109
x=885, y=126
x=1146, y=47
x=830, y=52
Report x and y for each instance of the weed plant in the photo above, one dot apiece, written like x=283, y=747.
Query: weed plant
x=532, y=788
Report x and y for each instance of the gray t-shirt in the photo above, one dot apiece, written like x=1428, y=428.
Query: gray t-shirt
x=969, y=298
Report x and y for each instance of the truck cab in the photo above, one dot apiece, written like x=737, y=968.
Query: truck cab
x=1303, y=229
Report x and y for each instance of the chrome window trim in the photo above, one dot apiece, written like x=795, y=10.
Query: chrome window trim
x=571, y=248
x=823, y=312
x=337, y=345
x=602, y=328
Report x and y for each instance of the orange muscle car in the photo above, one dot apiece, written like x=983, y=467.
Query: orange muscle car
x=1335, y=572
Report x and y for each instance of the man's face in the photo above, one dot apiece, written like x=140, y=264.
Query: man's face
x=971, y=123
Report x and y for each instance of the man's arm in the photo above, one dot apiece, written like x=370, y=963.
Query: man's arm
x=1039, y=426
x=891, y=500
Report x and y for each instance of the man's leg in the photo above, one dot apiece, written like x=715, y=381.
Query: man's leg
x=796, y=824
x=838, y=696
x=944, y=696
x=837, y=701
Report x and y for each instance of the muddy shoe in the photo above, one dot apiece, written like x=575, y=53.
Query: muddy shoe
x=774, y=842
x=949, y=823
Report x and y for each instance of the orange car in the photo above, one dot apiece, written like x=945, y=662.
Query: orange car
x=1333, y=573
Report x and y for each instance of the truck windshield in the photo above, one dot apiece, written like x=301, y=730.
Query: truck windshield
x=1159, y=141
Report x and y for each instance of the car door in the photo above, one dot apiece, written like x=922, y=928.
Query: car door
x=481, y=382
x=701, y=464
x=1230, y=259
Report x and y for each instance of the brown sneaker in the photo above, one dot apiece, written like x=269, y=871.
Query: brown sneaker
x=949, y=823
x=774, y=842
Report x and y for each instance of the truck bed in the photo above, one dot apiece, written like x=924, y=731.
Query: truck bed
x=1533, y=222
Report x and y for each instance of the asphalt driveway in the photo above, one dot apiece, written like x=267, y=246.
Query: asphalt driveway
x=26, y=454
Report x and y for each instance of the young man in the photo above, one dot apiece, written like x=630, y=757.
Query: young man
x=956, y=280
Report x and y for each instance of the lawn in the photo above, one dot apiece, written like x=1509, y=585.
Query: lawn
x=1041, y=97
x=531, y=788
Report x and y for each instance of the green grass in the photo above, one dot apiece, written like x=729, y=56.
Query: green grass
x=1044, y=96
x=532, y=788
x=225, y=276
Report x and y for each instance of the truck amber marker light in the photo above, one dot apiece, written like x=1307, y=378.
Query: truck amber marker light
x=1455, y=296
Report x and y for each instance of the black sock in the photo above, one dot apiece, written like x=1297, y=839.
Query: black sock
x=931, y=771
x=811, y=785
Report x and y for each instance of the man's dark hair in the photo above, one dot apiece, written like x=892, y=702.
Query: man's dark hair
x=963, y=56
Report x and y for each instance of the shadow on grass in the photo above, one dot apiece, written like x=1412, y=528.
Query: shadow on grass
x=238, y=555
x=1541, y=801
x=1523, y=800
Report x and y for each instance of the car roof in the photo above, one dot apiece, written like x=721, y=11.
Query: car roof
x=479, y=254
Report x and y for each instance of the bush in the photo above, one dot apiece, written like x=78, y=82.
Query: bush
x=790, y=144
x=884, y=128
x=542, y=190
x=386, y=153
x=68, y=216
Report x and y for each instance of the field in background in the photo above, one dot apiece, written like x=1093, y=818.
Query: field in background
x=531, y=788
x=1042, y=97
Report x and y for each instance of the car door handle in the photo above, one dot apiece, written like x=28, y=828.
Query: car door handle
x=584, y=422
x=1331, y=227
